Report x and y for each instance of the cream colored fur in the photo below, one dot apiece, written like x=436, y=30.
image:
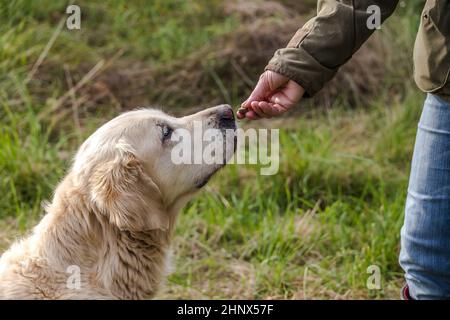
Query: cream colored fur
x=112, y=216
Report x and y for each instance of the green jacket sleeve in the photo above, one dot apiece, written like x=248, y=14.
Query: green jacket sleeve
x=328, y=40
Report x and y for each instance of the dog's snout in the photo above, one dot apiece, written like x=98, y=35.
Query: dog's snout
x=226, y=113
x=225, y=116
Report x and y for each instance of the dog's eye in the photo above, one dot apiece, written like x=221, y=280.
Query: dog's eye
x=166, y=132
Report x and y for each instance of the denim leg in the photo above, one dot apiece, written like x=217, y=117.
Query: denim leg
x=425, y=235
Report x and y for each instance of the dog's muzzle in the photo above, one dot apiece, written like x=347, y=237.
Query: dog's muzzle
x=225, y=117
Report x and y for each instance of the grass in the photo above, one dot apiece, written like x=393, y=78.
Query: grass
x=311, y=231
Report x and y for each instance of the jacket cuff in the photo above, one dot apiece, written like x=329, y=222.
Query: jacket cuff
x=298, y=65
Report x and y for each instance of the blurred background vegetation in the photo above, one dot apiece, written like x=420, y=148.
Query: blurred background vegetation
x=312, y=230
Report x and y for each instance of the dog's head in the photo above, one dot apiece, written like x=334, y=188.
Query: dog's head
x=132, y=169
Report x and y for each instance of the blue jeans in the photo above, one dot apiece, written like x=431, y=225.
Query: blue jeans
x=425, y=235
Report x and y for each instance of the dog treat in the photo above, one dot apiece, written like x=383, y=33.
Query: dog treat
x=242, y=110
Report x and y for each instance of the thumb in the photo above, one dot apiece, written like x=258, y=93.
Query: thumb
x=259, y=92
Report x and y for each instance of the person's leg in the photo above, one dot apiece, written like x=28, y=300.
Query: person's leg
x=425, y=235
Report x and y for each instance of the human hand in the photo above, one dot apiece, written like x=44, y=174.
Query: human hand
x=273, y=95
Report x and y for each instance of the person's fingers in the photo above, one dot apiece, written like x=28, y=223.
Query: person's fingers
x=267, y=83
x=256, y=109
x=240, y=115
x=266, y=109
x=273, y=109
x=246, y=103
x=276, y=88
x=282, y=99
x=253, y=104
x=262, y=109
x=279, y=109
x=260, y=112
x=262, y=105
x=259, y=92
x=288, y=96
x=275, y=80
x=251, y=115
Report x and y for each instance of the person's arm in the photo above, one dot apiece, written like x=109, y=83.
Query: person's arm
x=318, y=49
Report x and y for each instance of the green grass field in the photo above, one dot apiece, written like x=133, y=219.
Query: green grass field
x=309, y=232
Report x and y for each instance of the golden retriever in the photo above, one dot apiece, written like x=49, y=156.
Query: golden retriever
x=107, y=232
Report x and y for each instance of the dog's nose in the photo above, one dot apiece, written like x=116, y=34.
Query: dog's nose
x=226, y=112
x=225, y=116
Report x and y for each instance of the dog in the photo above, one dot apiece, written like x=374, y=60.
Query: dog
x=107, y=232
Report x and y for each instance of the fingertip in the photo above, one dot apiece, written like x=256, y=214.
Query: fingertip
x=259, y=111
x=263, y=105
x=266, y=109
x=251, y=115
x=279, y=107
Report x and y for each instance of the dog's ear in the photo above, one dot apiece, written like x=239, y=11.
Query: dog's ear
x=127, y=195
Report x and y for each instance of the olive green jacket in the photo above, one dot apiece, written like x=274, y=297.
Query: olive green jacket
x=326, y=42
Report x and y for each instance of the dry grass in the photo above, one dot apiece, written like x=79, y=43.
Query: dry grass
x=224, y=70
